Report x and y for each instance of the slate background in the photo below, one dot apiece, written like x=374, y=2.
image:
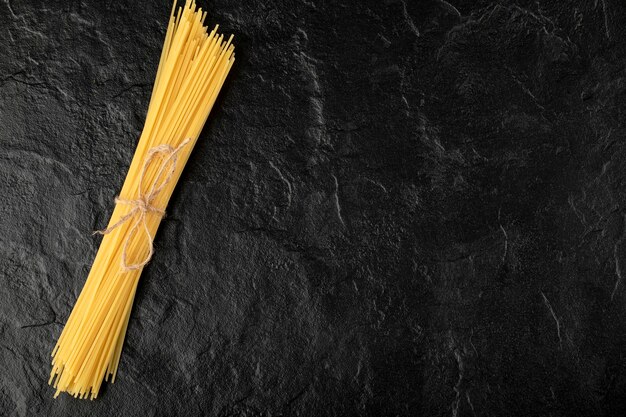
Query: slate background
x=397, y=208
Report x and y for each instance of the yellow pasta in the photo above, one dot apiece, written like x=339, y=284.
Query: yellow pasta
x=193, y=66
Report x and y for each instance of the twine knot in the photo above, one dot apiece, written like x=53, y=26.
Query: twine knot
x=143, y=204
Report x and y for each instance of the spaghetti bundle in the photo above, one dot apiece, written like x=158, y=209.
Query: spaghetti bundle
x=193, y=66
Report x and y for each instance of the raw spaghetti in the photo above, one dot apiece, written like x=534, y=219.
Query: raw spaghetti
x=193, y=66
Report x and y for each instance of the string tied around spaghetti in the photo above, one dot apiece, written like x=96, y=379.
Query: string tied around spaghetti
x=143, y=204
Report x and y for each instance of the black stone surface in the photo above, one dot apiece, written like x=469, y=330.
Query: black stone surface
x=396, y=209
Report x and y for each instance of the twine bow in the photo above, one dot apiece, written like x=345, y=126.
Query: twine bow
x=143, y=204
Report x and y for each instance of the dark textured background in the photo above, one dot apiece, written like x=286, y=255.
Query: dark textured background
x=397, y=208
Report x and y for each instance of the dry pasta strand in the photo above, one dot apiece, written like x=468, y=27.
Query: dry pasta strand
x=193, y=66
